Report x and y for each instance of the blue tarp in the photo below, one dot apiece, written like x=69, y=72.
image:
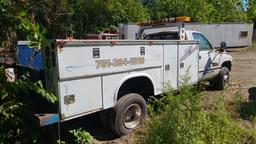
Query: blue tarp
x=24, y=56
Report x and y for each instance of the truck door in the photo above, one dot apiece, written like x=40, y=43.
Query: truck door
x=208, y=58
x=188, y=63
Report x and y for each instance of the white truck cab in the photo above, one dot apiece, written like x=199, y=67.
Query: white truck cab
x=214, y=63
x=211, y=60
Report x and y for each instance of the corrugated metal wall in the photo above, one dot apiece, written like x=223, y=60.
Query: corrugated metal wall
x=234, y=34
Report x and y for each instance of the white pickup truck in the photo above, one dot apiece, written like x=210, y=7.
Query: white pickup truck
x=214, y=63
x=118, y=76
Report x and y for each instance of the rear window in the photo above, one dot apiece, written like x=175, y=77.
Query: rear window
x=163, y=36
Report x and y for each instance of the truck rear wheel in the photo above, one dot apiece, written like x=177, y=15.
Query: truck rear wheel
x=221, y=81
x=128, y=113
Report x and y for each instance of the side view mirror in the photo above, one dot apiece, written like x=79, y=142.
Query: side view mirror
x=223, y=45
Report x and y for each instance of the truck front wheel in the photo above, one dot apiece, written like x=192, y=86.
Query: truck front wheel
x=221, y=81
x=128, y=113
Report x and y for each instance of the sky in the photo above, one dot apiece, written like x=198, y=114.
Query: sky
x=244, y=1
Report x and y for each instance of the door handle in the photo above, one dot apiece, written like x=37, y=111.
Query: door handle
x=167, y=67
x=181, y=65
x=200, y=57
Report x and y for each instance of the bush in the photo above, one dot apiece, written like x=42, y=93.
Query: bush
x=182, y=119
x=81, y=136
x=17, y=123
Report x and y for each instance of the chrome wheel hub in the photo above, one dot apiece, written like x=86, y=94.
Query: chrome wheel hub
x=226, y=78
x=132, y=116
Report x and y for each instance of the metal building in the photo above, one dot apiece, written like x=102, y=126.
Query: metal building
x=234, y=34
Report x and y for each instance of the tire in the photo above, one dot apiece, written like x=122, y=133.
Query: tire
x=222, y=80
x=129, y=112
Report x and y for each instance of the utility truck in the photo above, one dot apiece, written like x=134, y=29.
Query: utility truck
x=118, y=76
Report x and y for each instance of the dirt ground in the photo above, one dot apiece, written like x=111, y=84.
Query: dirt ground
x=242, y=79
x=243, y=74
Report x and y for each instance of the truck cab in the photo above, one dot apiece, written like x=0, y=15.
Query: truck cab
x=211, y=59
x=214, y=63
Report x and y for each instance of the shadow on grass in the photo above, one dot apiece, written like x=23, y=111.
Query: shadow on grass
x=248, y=109
x=205, y=86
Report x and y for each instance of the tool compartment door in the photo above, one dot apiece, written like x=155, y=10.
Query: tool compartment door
x=80, y=96
x=188, y=63
x=80, y=90
x=170, y=65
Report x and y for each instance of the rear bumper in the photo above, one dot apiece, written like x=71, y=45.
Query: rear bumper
x=48, y=119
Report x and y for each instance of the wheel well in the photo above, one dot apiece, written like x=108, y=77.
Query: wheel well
x=227, y=64
x=139, y=85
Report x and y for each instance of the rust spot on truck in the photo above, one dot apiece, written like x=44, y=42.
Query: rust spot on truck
x=60, y=49
x=61, y=43
x=62, y=117
x=113, y=43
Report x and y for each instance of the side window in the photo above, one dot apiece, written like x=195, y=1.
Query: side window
x=204, y=43
x=163, y=36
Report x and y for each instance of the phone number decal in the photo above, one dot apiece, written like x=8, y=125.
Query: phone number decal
x=118, y=62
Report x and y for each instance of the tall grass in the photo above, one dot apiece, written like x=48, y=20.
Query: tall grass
x=180, y=118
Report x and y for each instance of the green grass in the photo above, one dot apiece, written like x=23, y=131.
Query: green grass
x=181, y=118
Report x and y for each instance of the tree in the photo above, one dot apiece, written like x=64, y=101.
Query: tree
x=227, y=11
x=251, y=10
x=98, y=15
x=127, y=11
x=10, y=15
x=63, y=18
x=14, y=17
x=199, y=10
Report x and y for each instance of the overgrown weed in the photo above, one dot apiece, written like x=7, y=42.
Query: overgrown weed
x=179, y=117
x=17, y=119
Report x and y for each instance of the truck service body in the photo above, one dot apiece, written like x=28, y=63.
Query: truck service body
x=118, y=76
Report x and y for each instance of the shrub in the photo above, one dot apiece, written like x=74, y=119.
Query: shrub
x=183, y=120
x=17, y=123
x=81, y=136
